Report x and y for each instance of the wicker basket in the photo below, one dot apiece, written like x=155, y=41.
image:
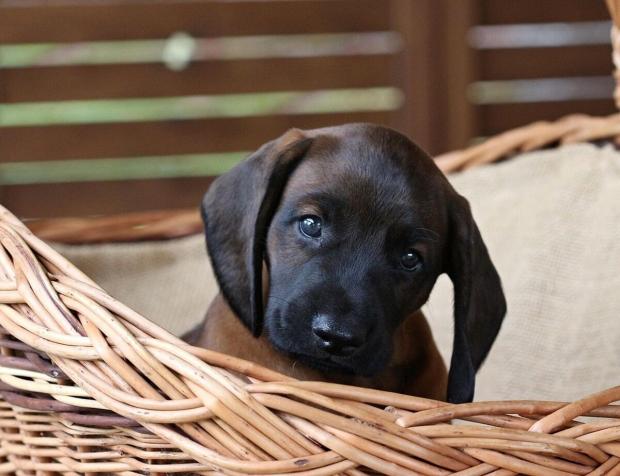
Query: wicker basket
x=89, y=386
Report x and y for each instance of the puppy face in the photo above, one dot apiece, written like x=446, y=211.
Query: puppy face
x=354, y=248
x=353, y=224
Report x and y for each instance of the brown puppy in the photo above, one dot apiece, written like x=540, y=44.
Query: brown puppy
x=326, y=243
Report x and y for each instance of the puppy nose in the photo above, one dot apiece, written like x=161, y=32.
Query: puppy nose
x=335, y=339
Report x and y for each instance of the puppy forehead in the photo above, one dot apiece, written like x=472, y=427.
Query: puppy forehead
x=369, y=168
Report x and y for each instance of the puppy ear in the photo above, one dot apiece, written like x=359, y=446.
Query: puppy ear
x=237, y=212
x=479, y=302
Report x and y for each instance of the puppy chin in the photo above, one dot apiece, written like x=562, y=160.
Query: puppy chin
x=325, y=365
x=373, y=361
x=360, y=365
x=366, y=363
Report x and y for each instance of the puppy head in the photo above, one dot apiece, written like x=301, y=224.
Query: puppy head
x=354, y=225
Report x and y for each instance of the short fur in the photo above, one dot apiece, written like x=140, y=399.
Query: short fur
x=378, y=195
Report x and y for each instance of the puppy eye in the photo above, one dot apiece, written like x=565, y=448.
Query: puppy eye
x=310, y=226
x=411, y=260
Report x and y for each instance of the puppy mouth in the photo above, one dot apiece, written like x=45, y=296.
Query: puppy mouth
x=325, y=364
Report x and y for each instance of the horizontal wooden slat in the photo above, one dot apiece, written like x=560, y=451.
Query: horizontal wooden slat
x=528, y=63
x=126, y=227
x=135, y=19
x=536, y=11
x=94, y=198
x=497, y=118
x=53, y=83
x=85, y=141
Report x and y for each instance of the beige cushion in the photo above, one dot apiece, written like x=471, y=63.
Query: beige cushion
x=170, y=282
x=551, y=221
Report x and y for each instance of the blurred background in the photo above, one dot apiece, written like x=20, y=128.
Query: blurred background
x=113, y=106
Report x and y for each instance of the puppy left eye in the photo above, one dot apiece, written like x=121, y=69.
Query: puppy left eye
x=311, y=226
x=411, y=260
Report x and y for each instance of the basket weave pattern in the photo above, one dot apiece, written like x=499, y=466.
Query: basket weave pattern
x=90, y=386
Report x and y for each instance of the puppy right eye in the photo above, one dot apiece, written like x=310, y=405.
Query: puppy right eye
x=411, y=260
x=310, y=226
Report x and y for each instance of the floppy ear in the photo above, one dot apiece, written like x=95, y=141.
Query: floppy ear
x=479, y=302
x=237, y=212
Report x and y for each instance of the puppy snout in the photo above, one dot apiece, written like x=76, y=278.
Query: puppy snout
x=336, y=339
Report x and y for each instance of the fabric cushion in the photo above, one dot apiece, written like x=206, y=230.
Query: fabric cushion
x=170, y=282
x=551, y=221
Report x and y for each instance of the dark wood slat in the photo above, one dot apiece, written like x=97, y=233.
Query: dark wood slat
x=54, y=83
x=435, y=79
x=134, y=19
x=417, y=70
x=498, y=118
x=455, y=65
x=94, y=198
x=85, y=141
x=536, y=11
x=526, y=63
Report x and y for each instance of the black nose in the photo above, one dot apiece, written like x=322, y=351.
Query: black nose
x=337, y=339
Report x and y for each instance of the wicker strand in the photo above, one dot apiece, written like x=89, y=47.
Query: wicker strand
x=567, y=130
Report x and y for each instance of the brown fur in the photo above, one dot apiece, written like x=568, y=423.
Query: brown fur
x=416, y=367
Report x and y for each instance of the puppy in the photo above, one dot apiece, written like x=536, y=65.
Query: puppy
x=326, y=243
